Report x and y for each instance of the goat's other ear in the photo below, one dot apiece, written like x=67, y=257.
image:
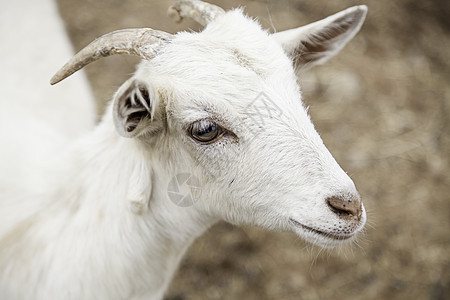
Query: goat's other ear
x=315, y=43
x=134, y=108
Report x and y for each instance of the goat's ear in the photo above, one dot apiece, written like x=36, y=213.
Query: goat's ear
x=134, y=108
x=316, y=42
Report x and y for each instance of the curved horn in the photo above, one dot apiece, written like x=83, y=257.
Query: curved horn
x=143, y=42
x=201, y=12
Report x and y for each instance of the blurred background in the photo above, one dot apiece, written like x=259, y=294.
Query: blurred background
x=382, y=106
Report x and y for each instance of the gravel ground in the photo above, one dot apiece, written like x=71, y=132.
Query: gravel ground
x=382, y=107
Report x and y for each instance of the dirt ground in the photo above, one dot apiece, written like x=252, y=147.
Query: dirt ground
x=382, y=107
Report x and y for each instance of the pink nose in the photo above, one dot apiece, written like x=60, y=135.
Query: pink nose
x=348, y=208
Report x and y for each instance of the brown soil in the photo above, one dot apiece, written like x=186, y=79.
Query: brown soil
x=382, y=107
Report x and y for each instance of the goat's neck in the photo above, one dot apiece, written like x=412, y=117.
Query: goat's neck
x=121, y=244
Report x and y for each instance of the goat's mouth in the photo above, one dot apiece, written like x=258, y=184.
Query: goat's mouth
x=327, y=235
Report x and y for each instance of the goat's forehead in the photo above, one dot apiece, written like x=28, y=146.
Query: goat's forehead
x=231, y=62
x=233, y=47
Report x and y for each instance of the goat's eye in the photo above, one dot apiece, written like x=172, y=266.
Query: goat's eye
x=205, y=131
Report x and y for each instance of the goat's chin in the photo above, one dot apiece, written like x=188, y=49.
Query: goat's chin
x=322, y=238
x=328, y=243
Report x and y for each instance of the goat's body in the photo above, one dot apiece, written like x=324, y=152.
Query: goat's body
x=34, y=41
x=36, y=119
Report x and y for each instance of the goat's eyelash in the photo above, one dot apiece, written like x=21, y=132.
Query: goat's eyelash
x=222, y=132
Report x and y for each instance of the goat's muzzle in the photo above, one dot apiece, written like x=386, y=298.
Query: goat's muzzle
x=348, y=208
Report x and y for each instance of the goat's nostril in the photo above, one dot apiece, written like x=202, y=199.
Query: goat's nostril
x=348, y=208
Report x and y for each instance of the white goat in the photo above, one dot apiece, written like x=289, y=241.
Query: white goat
x=102, y=226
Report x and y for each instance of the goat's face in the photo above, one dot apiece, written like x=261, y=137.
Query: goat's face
x=225, y=106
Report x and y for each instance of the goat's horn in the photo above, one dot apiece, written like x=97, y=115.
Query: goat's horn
x=143, y=42
x=197, y=10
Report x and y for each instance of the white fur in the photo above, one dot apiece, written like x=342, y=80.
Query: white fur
x=101, y=225
x=35, y=118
